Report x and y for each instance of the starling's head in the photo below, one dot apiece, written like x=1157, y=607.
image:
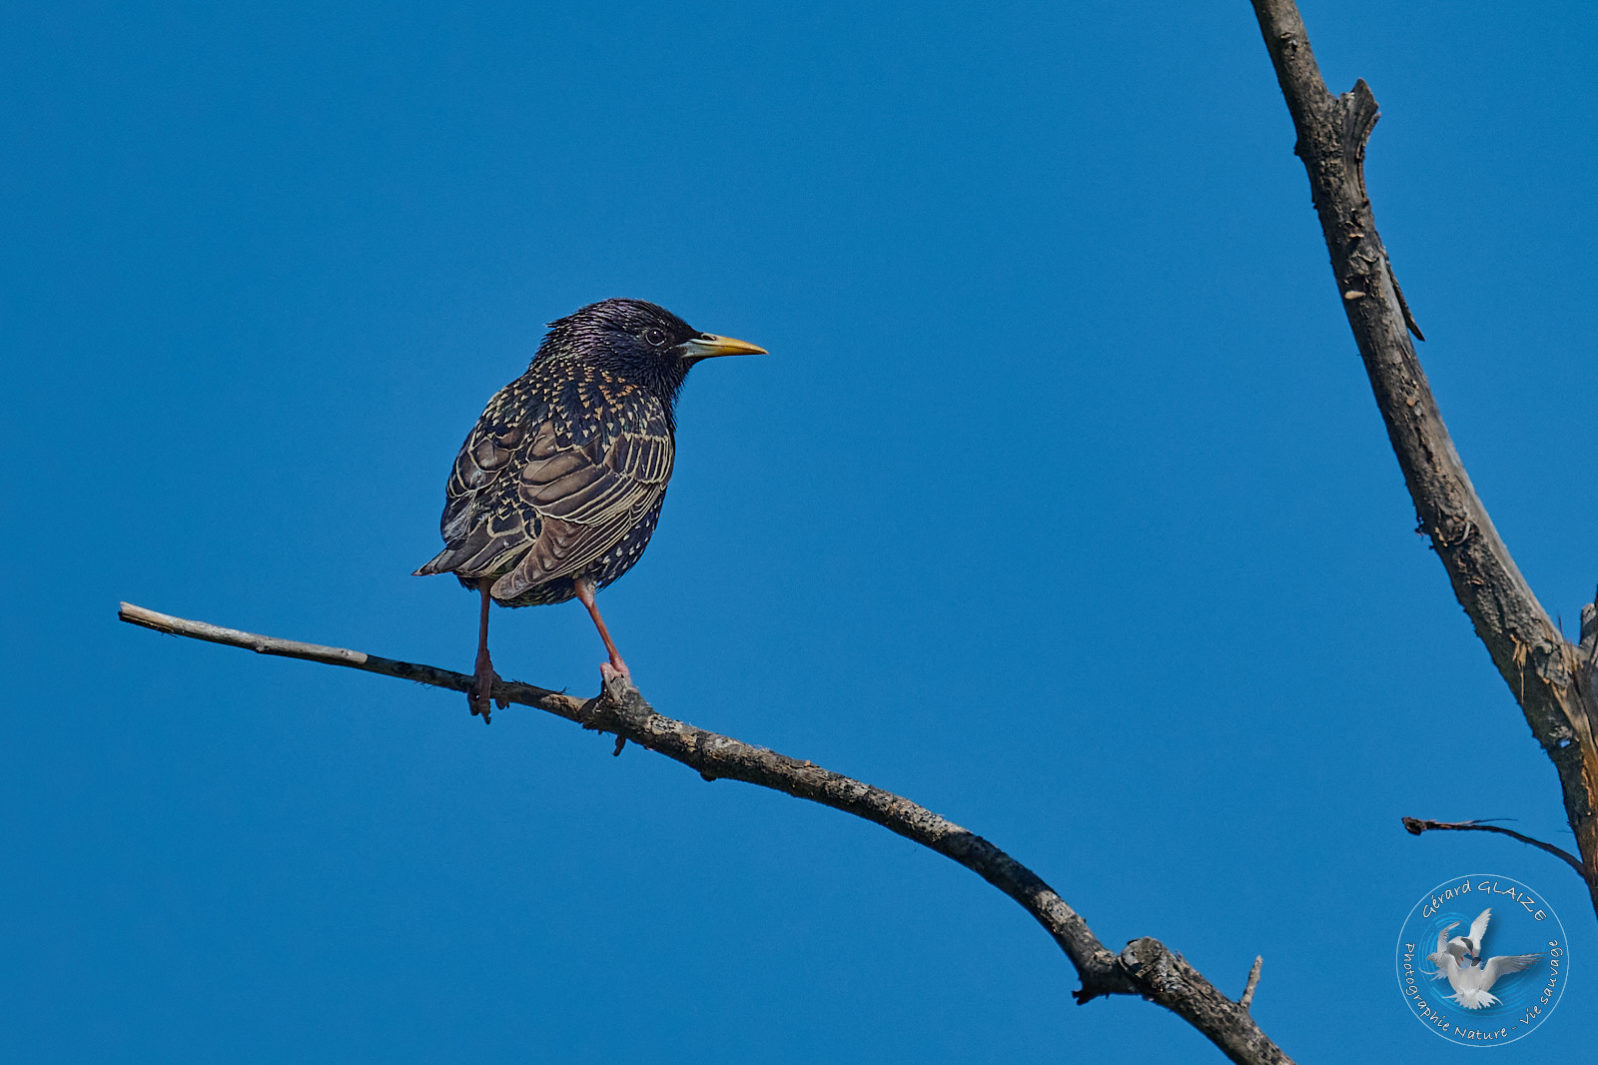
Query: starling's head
x=638, y=341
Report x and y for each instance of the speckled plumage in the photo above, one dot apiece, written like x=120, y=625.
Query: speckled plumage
x=562, y=479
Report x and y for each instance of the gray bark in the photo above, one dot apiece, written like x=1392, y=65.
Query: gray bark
x=1552, y=680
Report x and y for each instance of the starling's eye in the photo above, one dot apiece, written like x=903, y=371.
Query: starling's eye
x=655, y=337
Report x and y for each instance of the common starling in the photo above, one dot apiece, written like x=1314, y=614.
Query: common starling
x=558, y=487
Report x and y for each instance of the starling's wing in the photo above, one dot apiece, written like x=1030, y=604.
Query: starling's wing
x=589, y=497
x=481, y=524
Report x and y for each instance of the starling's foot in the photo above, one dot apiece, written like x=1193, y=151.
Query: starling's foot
x=615, y=669
x=480, y=697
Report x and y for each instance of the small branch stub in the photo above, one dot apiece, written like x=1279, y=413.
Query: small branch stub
x=1253, y=982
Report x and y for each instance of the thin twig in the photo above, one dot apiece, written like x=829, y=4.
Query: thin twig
x=1253, y=982
x=1146, y=967
x=1416, y=826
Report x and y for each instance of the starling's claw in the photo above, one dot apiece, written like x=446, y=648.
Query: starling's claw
x=480, y=698
x=584, y=589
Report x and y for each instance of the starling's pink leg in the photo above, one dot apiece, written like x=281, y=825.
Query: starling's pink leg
x=585, y=592
x=479, y=698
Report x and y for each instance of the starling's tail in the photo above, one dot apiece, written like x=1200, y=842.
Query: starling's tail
x=443, y=562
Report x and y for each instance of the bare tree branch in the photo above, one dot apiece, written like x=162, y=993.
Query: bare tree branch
x=1146, y=967
x=1549, y=678
x=1415, y=826
x=1253, y=982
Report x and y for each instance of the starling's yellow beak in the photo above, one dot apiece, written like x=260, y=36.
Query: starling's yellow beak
x=709, y=345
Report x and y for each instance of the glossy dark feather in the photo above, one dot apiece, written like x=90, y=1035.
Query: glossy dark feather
x=558, y=487
x=563, y=476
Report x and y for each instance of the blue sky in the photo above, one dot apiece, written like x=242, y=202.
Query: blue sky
x=1061, y=507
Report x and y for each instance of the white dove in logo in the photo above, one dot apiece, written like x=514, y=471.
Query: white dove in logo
x=1459, y=946
x=1472, y=982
